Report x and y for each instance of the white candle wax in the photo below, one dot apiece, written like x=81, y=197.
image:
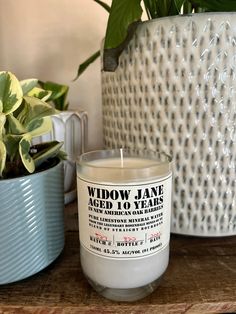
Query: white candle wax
x=139, y=180
x=119, y=274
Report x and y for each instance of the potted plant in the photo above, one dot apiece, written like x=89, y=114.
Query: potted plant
x=31, y=182
x=173, y=89
x=69, y=127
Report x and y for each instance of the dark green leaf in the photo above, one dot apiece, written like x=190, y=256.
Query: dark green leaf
x=166, y=7
x=123, y=14
x=215, y=5
x=83, y=66
x=111, y=56
x=187, y=7
x=176, y=6
x=122, y=23
x=151, y=8
x=104, y=5
x=12, y=142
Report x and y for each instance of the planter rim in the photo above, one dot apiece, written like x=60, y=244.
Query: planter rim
x=69, y=111
x=185, y=16
x=30, y=175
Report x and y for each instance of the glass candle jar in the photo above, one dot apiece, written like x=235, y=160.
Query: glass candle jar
x=124, y=202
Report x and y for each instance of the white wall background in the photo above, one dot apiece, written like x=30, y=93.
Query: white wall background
x=47, y=39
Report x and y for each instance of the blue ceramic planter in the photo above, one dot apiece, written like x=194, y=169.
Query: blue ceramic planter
x=31, y=223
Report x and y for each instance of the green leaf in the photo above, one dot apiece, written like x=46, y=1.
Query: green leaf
x=44, y=151
x=151, y=8
x=15, y=127
x=83, y=66
x=12, y=144
x=39, y=127
x=163, y=8
x=40, y=93
x=123, y=14
x=23, y=112
x=24, y=150
x=57, y=90
x=3, y=156
x=61, y=104
x=122, y=23
x=10, y=92
x=215, y=5
x=2, y=123
x=34, y=108
x=58, y=94
x=187, y=7
x=104, y=5
x=176, y=6
x=28, y=85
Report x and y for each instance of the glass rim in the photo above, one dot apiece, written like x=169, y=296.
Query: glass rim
x=115, y=153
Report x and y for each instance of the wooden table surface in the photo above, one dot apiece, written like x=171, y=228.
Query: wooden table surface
x=201, y=278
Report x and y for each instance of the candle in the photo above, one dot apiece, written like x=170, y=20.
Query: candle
x=124, y=202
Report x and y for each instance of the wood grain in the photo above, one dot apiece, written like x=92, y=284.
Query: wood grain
x=201, y=278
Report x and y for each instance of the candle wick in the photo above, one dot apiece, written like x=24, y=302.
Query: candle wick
x=121, y=158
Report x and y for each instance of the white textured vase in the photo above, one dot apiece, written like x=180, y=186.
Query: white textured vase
x=69, y=127
x=175, y=91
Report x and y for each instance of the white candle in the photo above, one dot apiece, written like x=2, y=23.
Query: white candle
x=124, y=221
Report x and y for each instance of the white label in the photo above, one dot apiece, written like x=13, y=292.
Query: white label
x=124, y=221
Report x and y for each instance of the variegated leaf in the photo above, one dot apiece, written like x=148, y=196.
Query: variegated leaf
x=2, y=123
x=39, y=127
x=45, y=151
x=3, y=156
x=40, y=93
x=59, y=94
x=28, y=85
x=15, y=127
x=10, y=92
x=24, y=150
x=57, y=90
x=34, y=108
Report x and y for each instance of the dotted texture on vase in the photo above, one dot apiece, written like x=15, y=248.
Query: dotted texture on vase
x=175, y=90
x=31, y=223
